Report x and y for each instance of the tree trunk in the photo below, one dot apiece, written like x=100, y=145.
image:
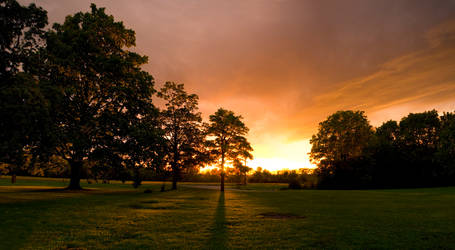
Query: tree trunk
x=75, y=181
x=175, y=176
x=13, y=178
x=244, y=174
x=174, y=181
x=222, y=172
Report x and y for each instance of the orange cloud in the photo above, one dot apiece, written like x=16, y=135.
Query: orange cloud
x=421, y=79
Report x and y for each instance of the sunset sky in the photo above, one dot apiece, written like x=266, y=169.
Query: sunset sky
x=286, y=65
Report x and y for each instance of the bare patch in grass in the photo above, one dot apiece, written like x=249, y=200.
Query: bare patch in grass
x=275, y=215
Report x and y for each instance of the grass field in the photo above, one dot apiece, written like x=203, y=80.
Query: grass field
x=34, y=215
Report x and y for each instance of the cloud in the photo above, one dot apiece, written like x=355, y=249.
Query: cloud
x=419, y=79
x=286, y=65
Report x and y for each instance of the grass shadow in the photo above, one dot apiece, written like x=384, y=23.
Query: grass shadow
x=218, y=239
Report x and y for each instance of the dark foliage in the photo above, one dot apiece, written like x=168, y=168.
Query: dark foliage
x=416, y=152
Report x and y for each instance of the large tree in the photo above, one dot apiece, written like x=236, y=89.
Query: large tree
x=102, y=100
x=225, y=133
x=182, y=124
x=23, y=108
x=338, y=148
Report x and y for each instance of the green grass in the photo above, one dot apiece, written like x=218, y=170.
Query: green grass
x=33, y=215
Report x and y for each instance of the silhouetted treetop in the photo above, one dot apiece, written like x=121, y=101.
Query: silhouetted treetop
x=342, y=135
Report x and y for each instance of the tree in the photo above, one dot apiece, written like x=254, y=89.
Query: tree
x=342, y=136
x=388, y=132
x=338, y=149
x=243, y=154
x=446, y=149
x=23, y=108
x=226, y=131
x=419, y=139
x=389, y=166
x=420, y=129
x=101, y=99
x=182, y=124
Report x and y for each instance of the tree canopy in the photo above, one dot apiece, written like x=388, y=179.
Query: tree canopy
x=342, y=136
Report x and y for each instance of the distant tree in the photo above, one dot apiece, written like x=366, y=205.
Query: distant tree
x=183, y=129
x=243, y=154
x=23, y=108
x=101, y=99
x=338, y=148
x=225, y=132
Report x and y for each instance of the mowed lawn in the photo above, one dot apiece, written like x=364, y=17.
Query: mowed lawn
x=34, y=214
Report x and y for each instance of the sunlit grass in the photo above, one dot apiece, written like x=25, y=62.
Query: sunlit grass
x=116, y=216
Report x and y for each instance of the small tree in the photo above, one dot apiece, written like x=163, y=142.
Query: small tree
x=243, y=154
x=182, y=124
x=226, y=131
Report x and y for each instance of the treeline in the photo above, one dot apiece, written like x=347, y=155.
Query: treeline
x=417, y=151
x=75, y=102
x=305, y=177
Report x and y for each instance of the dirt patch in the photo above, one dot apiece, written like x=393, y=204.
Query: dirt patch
x=274, y=215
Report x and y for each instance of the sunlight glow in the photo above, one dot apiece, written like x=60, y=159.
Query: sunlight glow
x=275, y=155
x=275, y=164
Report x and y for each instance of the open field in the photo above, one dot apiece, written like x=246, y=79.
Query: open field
x=36, y=215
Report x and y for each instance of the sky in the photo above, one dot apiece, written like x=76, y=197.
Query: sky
x=287, y=65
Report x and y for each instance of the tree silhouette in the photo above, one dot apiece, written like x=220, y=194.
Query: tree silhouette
x=446, y=149
x=23, y=108
x=419, y=138
x=183, y=129
x=342, y=136
x=338, y=148
x=243, y=154
x=226, y=132
x=101, y=98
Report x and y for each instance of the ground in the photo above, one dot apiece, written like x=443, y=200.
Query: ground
x=36, y=214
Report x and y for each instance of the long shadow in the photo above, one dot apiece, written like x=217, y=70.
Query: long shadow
x=218, y=239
